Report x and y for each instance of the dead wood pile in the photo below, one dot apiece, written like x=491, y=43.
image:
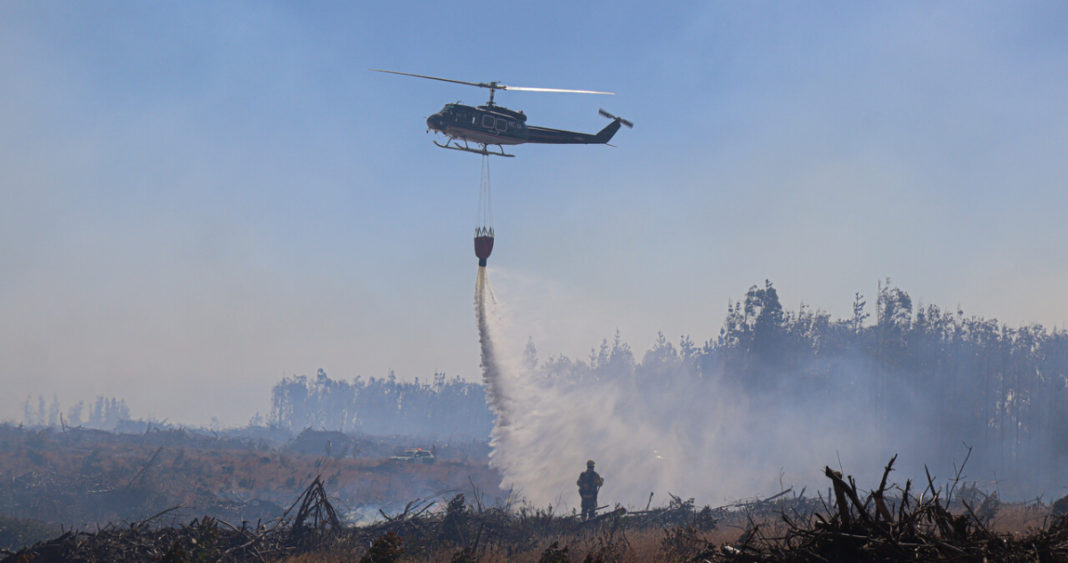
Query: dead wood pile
x=884, y=527
x=890, y=523
x=315, y=524
x=311, y=523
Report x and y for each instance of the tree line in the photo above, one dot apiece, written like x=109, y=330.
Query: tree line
x=961, y=379
x=999, y=389
x=945, y=380
x=953, y=379
x=440, y=407
x=103, y=414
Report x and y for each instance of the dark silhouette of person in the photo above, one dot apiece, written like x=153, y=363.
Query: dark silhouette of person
x=589, y=482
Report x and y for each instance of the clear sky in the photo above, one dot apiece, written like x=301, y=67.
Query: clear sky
x=199, y=198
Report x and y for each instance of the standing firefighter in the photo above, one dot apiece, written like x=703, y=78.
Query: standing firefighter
x=589, y=482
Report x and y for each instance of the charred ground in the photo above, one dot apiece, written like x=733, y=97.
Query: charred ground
x=85, y=479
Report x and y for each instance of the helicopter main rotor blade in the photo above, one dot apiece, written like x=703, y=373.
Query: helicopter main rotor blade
x=532, y=89
x=432, y=77
x=494, y=85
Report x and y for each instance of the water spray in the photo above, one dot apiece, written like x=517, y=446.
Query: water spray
x=483, y=247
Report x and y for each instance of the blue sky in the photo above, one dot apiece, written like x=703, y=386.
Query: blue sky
x=200, y=198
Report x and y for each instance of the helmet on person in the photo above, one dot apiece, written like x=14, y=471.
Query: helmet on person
x=589, y=463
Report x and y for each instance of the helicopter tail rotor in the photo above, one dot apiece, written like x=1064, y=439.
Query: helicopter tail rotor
x=615, y=118
x=605, y=135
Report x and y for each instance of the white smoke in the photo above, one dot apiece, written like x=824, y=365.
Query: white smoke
x=657, y=426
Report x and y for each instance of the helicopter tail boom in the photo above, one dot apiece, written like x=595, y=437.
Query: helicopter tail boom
x=605, y=135
x=559, y=136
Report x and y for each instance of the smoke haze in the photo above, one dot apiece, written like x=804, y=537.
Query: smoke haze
x=206, y=195
x=666, y=424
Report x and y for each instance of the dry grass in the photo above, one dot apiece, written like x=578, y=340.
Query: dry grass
x=654, y=544
x=1019, y=519
x=603, y=542
x=58, y=477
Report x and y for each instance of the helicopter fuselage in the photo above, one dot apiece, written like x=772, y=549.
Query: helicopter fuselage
x=488, y=125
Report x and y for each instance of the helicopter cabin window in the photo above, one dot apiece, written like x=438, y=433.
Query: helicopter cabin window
x=487, y=121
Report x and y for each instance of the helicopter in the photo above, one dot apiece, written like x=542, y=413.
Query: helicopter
x=491, y=124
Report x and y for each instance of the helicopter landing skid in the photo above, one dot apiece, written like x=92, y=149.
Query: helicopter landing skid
x=483, y=151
